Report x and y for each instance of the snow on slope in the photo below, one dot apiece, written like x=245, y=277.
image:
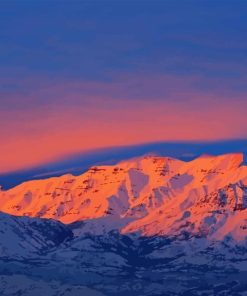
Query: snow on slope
x=103, y=190
x=22, y=237
x=151, y=195
x=24, y=286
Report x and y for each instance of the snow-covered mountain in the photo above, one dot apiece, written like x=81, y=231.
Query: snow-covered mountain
x=22, y=237
x=146, y=226
x=151, y=195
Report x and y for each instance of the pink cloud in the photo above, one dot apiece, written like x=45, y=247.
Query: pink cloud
x=74, y=118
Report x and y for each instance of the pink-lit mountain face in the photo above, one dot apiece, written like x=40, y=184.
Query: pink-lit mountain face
x=151, y=196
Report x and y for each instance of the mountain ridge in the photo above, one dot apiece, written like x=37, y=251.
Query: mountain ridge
x=150, y=195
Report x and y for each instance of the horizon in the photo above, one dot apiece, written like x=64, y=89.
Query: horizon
x=81, y=162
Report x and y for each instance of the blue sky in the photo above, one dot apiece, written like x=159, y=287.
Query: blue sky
x=95, y=40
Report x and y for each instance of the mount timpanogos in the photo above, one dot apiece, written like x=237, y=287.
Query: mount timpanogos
x=148, y=195
x=150, y=226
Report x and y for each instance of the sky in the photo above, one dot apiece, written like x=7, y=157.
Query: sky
x=80, y=76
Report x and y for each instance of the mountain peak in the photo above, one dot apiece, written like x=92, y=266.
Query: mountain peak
x=229, y=157
x=224, y=162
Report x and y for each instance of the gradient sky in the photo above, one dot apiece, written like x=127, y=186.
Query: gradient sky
x=83, y=75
